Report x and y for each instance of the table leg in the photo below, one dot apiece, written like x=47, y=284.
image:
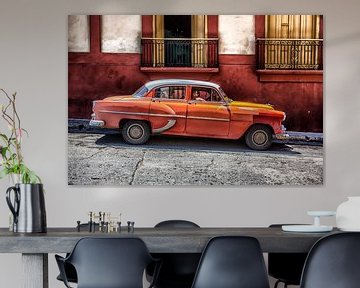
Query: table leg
x=35, y=270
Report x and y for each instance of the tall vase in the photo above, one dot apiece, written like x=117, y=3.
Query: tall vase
x=27, y=204
x=348, y=214
x=13, y=180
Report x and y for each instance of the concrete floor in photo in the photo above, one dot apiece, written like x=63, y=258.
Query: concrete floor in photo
x=95, y=159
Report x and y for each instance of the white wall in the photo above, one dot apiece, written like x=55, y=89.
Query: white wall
x=121, y=33
x=79, y=33
x=237, y=34
x=33, y=62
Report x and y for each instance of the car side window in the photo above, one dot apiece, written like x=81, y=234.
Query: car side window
x=215, y=97
x=200, y=94
x=204, y=94
x=170, y=92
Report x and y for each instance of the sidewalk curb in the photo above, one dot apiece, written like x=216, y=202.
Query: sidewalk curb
x=295, y=137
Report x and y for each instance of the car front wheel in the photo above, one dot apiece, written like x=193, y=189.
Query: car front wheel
x=258, y=137
x=135, y=132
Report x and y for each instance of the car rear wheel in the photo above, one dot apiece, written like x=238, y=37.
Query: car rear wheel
x=135, y=132
x=258, y=137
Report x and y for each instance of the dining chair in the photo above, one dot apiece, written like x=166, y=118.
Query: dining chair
x=70, y=271
x=333, y=262
x=232, y=262
x=178, y=269
x=285, y=267
x=108, y=263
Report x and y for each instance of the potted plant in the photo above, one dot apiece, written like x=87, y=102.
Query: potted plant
x=26, y=197
x=12, y=161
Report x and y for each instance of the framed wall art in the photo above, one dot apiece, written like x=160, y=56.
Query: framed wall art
x=195, y=99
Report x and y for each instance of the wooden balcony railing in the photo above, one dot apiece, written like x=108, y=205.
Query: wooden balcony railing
x=179, y=52
x=292, y=54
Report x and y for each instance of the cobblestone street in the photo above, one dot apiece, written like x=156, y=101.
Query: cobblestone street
x=95, y=159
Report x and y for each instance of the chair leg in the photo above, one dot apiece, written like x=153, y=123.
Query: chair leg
x=279, y=281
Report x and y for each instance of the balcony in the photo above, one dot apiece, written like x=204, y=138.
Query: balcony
x=180, y=53
x=289, y=54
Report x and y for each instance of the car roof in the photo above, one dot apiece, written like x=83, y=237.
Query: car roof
x=150, y=85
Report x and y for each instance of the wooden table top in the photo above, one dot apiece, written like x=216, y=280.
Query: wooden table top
x=158, y=240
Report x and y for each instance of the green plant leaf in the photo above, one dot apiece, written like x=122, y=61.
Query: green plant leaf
x=4, y=172
x=28, y=176
x=26, y=132
x=3, y=151
x=4, y=137
x=33, y=178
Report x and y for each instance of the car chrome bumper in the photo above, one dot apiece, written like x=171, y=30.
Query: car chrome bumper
x=281, y=136
x=97, y=123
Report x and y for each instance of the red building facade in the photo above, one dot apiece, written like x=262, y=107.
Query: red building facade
x=285, y=71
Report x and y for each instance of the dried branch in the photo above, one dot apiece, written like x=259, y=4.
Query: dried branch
x=12, y=160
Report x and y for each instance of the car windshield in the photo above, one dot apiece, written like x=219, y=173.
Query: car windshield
x=227, y=99
x=141, y=91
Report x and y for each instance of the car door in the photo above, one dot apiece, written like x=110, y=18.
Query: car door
x=168, y=109
x=208, y=114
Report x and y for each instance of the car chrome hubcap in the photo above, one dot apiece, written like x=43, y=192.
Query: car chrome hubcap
x=135, y=131
x=260, y=138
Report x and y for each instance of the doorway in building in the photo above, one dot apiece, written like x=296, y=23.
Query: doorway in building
x=178, y=40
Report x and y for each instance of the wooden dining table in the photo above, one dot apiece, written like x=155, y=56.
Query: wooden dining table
x=35, y=247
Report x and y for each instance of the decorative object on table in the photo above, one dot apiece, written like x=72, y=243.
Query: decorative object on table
x=27, y=205
x=316, y=227
x=101, y=221
x=348, y=214
x=130, y=225
x=28, y=208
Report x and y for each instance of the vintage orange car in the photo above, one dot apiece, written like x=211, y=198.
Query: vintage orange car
x=188, y=108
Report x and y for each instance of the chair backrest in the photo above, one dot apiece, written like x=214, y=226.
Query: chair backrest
x=333, y=262
x=177, y=269
x=286, y=267
x=176, y=224
x=110, y=262
x=232, y=262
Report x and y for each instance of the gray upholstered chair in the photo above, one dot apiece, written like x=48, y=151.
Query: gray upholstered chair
x=108, y=263
x=286, y=267
x=177, y=270
x=333, y=262
x=232, y=262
